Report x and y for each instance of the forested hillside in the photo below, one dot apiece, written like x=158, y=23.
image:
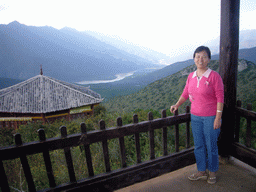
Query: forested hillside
x=134, y=83
x=163, y=93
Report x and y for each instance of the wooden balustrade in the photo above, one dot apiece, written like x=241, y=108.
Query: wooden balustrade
x=244, y=152
x=127, y=175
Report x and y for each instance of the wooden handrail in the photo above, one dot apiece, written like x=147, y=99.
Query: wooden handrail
x=65, y=142
x=12, y=152
x=250, y=116
x=244, y=152
x=246, y=113
x=160, y=165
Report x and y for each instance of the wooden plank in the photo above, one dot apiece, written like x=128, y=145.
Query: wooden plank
x=237, y=125
x=246, y=113
x=105, y=147
x=177, y=134
x=243, y=153
x=25, y=165
x=188, y=129
x=87, y=150
x=121, y=143
x=47, y=160
x=120, y=178
x=229, y=45
x=249, y=129
x=11, y=152
x=164, y=135
x=128, y=176
x=137, y=139
x=4, y=181
x=68, y=157
x=151, y=137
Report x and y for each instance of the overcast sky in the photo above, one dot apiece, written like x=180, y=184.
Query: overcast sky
x=162, y=25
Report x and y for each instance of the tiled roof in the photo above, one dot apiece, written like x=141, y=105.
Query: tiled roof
x=42, y=94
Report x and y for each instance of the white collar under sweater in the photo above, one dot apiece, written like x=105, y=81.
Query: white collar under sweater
x=206, y=73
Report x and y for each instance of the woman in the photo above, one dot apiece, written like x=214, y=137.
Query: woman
x=205, y=90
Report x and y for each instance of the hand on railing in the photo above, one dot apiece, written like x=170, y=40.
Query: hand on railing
x=173, y=108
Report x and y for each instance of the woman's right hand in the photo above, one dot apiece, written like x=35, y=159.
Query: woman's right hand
x=173, y=108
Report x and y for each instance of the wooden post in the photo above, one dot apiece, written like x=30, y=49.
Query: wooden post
x=121, y=143
x=229, y=46
x=43, y=118
x=151, y=137
x=105, y=147
x=87, y=150
x=177, y=134
x=164, y=135
x=137, y=139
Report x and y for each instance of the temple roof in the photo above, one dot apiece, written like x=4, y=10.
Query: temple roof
x=42, y=94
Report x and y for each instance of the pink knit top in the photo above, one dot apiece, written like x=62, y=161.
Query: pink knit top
x=204, y=93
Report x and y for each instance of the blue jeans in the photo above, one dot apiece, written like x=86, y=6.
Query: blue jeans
x=205, y=141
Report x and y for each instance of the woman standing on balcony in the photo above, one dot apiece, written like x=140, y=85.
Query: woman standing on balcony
x=205, y=90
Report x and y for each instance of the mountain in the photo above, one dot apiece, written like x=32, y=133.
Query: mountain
x=162, y=93
x=65, y=54
x=136, y=82
x=127, y=46
x=247, y=39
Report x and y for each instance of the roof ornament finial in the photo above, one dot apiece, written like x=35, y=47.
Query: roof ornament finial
x=41, y=70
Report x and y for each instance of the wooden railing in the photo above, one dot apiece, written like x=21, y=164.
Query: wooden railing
x=127, y=175
x=110, y=180
x=244, y=151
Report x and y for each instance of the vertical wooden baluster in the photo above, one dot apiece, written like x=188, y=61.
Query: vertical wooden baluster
x=137, y=139
x=4, y=181
x=177, y=135
x=249, y=128
x=121, y=143
x=238, y=119
x=47, y=160
x=164, y=135
x=25, y=165
x=68, y=156
x=151, y=137
x=105, y=148
x=188, y=129
x=87, y=150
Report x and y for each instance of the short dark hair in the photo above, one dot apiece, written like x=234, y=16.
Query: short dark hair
x=202, y=48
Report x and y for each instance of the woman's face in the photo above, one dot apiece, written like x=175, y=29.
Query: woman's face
x=201, y=60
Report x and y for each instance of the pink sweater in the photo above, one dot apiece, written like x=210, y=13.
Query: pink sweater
x=204, y=93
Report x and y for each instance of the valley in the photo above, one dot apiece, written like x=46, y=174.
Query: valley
x=103, y=63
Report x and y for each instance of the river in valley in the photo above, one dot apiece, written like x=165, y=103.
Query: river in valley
x=118, y=78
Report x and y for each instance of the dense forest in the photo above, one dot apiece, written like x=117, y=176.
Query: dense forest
x=165, y=92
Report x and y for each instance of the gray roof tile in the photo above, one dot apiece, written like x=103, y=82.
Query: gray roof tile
x=42, y=94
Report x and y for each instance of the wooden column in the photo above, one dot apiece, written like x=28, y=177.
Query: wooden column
x=229, y=46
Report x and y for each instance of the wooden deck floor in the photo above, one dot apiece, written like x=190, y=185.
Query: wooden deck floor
x=232, y=177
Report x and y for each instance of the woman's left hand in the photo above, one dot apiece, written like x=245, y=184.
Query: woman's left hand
x=217, y=123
